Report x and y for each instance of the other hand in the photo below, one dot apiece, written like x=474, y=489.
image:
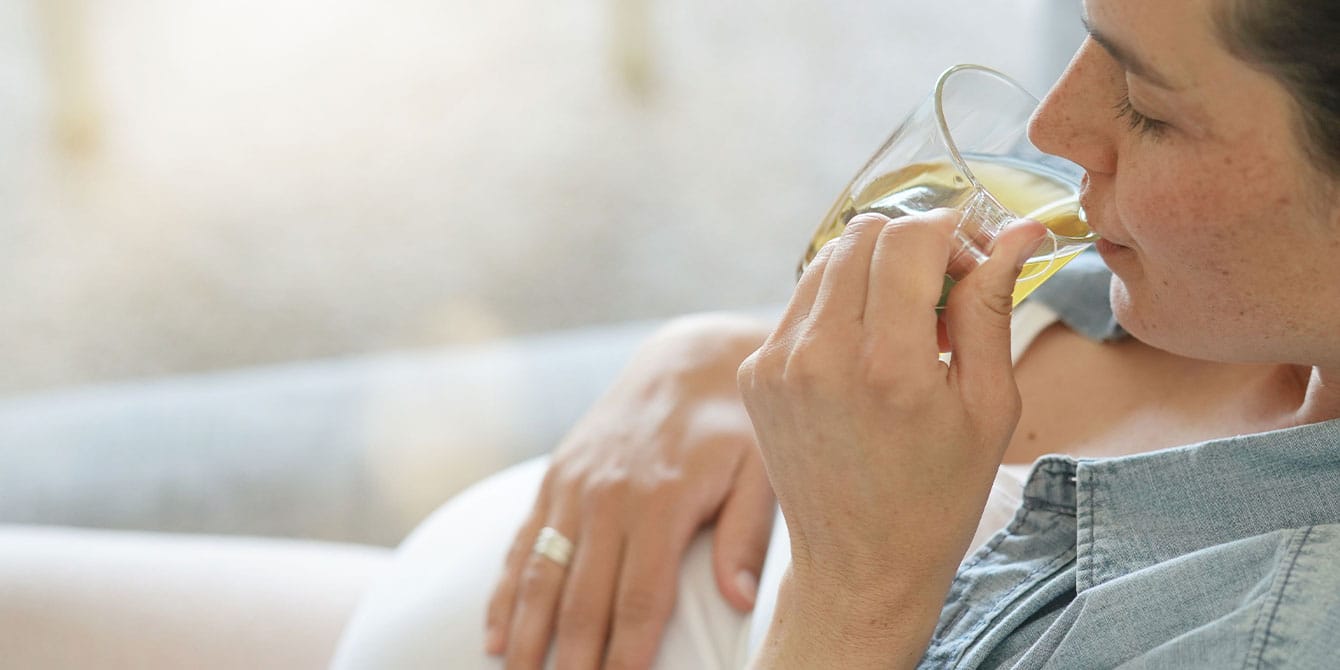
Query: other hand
x=668, y=449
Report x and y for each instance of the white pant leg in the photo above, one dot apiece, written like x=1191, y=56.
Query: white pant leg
x=774, y=568
x=428, y=610
x=79, y=598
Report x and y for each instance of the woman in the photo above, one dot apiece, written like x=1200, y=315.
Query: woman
x=1195, y=521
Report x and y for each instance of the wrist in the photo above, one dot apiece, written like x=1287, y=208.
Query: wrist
x=704, y=349
x=818, y=623
x=724, y=333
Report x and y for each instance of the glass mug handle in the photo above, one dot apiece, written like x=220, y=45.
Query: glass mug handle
x=981, y=219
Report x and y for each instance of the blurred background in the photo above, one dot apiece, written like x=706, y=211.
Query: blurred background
x=306, y=268
x=193, y=185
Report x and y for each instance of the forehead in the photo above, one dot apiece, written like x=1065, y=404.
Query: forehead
x=1174, y=38
x=1179, y=40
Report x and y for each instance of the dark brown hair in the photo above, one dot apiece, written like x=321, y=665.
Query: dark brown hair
x=1295, y=41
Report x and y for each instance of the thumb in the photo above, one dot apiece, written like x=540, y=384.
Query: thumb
x=978, y=312
x=740, y=541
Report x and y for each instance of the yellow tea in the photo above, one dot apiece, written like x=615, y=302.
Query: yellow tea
x=1027, y=191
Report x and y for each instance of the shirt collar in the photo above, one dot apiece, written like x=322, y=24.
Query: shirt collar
x=1135, y=511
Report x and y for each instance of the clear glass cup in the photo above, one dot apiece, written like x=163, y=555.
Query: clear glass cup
x=966, y=148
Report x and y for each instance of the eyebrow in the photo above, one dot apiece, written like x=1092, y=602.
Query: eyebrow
x=1128, y=59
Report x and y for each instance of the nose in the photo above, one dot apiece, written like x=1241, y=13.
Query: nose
x=1073, y=121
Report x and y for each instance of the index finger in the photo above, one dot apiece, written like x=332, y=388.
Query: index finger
x=807, y=289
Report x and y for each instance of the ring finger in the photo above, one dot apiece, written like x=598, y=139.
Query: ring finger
x=541, y=584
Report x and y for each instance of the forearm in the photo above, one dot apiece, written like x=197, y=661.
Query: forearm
x=693, y=360
x=713, y=339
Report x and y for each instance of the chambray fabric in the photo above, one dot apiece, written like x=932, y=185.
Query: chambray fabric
x=1221, y=554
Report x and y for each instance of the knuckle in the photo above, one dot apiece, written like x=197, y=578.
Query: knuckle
x=659, y=489
x=942, y=212
x=604, y=494
x=744, y=375
x=938, y=221
x=1000, y=304
x=896, y=228
x=807, y=366
x=802, y=372
x=882, y=376
x=901, y=228
x=861, y=223
x=534, y=586
x=943, y=216
x=764, y=367
x=895, y=387
x=821, y=257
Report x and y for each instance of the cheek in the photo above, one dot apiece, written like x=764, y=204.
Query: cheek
x=1216, y=243
x=1163, y=204
x=1207, y=214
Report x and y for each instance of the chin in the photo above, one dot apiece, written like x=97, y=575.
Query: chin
x=1179, y=332
x=1146, y=327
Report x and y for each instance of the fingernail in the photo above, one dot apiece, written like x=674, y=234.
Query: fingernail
x=748, y=585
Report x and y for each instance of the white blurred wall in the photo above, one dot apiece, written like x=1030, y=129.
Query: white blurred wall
x=248, y=181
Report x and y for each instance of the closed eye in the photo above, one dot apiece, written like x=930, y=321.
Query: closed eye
x=1145, y=125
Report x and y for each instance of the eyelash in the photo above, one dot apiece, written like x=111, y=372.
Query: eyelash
x=1139, y=122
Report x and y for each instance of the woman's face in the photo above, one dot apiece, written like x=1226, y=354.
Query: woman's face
x=1224, y=240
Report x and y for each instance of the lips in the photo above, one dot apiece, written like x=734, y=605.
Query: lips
x=1107, y=249
x=1099, y=217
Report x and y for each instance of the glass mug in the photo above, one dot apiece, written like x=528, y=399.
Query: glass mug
x=966, y=148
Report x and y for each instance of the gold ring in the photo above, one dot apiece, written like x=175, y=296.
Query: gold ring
x=552, y=545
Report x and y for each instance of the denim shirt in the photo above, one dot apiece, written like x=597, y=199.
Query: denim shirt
x=1221, y=554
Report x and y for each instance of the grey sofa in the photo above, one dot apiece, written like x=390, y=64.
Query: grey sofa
x=355, y=450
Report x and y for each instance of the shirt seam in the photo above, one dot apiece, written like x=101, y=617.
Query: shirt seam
x=1091, y=509
x=1256, y=652
x=1010, y=599
x=965, y=640
x=1039, y=504
x=1000, y=603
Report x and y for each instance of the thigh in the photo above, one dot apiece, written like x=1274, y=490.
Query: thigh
x=428, y=609
x=75, y=598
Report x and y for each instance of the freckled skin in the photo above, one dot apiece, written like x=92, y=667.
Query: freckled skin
x=1229, y=257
